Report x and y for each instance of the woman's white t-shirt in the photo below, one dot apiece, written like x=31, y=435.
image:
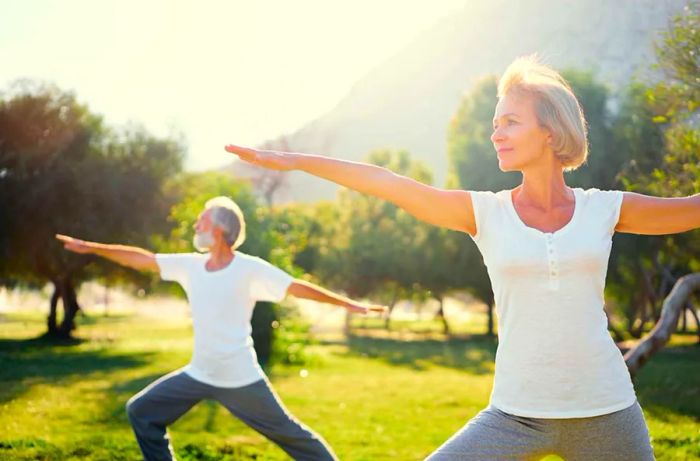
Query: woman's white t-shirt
x=555, y=357
x=222, y=305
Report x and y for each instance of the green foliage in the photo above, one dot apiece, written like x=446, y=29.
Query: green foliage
x=658, y=126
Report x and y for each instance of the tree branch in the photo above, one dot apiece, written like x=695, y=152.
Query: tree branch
x=667, y=324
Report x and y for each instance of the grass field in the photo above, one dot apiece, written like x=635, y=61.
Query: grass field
x=372, y=398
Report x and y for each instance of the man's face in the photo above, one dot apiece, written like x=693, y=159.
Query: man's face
x=204, y=237
x=203, y=223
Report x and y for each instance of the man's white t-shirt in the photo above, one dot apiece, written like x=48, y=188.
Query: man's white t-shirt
x=555, y=357
x=222, y=305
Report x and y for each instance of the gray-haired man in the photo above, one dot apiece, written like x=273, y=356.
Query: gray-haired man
x=222, y=286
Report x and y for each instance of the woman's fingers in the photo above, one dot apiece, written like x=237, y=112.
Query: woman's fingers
x=245, y=153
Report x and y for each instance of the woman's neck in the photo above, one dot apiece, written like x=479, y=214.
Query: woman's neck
x=544, y=188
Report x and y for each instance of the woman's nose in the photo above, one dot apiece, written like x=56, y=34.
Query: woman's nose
x=496, y=135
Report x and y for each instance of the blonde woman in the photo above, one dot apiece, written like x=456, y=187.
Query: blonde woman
x=561, y=385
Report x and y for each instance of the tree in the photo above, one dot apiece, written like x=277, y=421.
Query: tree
x=374, y=248
x=662, y=128
x=63, y=171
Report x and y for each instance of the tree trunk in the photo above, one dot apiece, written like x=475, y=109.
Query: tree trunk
x=674, y=303
x=347, y=329
x=441, y=315
x=51, y=319
x=70, y=308
x=391, y=306
x=697, y=320
x=490, y=307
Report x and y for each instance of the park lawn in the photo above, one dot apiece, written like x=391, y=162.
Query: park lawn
x=372, y=398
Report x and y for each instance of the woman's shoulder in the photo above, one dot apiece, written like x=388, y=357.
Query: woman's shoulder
x=600, y=195
x=490, y=196
x=600, y=202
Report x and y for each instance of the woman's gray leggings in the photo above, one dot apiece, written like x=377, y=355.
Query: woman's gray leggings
x=495, y=435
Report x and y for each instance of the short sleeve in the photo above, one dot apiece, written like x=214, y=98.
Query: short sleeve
x=268, y=283
x=481, y=203
x=174, y=267
x=609, y=203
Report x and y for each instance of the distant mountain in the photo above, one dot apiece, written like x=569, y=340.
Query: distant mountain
x=408, y=101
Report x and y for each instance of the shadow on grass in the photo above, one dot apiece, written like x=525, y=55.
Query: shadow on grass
x=27, y=362
x=669, y=384
x=474, y=354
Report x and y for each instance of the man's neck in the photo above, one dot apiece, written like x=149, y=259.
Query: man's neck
x=220, y=256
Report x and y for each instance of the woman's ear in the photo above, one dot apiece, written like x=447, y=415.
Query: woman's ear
x=549, y=139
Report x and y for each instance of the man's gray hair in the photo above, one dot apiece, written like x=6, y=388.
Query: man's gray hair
x=229, y=217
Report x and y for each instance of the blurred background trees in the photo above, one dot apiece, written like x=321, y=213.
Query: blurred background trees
x=62, y=170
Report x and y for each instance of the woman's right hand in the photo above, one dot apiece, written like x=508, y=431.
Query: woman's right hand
x=264, y=158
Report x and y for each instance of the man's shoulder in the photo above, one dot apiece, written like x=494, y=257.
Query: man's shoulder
x=249, y=259
x=179, y=258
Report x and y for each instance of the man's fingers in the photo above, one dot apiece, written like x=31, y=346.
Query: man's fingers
x=64, y=238
x=367, y=309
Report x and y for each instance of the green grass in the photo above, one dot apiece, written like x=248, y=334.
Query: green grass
x=372, y=398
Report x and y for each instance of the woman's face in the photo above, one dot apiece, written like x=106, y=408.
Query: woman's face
x=518, y=138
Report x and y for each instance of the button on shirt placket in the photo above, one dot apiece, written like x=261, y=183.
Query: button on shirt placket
x=553, y=263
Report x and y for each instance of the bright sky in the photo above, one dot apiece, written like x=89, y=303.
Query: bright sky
x=218, y=71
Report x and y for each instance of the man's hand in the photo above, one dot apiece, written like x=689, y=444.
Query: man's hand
x=364, y=308
x=307, y=290
x=264, y=158
x=75, y=245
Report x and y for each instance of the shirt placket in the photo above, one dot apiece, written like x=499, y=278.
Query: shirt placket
x=552, y=262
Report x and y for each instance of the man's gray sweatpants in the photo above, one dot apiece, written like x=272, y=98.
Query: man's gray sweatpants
x=494, y=435
x=165, y=400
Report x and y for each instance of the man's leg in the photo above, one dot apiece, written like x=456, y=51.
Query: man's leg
x=159, y=405
x=258, y=406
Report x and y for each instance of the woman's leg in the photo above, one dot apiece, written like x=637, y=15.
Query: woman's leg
x=619, y=436
x=495, y=435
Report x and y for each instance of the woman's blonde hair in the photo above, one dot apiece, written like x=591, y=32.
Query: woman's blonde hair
x=556, y=107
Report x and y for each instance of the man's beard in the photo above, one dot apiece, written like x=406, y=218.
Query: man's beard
x=203, y=241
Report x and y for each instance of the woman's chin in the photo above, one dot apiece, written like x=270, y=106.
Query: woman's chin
x=505, y=167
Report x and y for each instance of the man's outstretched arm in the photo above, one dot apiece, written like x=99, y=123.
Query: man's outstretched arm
x=129, y=256
x=307, y=290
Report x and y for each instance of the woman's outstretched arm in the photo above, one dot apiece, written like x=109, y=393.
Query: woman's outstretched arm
x=643, y=214
x=452, y=209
